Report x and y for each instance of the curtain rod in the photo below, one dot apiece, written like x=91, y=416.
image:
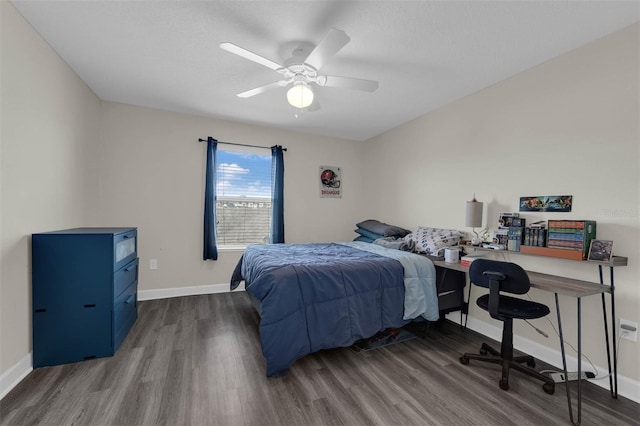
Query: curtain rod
x=240, y=144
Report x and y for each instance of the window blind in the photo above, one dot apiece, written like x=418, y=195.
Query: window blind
x=243, y=203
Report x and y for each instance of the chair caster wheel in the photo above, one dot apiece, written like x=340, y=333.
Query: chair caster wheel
x=464, y=360
x=504, y=384
x=531, y=364
x=483, y=351
x=549, y=388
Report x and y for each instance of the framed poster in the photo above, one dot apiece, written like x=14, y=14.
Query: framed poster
x=546, y=203
x=600, y=250
x=330, y=182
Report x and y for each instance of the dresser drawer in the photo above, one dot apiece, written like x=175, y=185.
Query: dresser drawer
x=125, y=307
x=124, y=277
x=125, y=248
x=71, y=333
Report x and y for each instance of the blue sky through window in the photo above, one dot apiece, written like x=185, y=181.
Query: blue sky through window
x=241, y=174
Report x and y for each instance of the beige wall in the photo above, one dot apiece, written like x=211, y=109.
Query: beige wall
x=569, y=126
x=152, y=177
x=49, y=140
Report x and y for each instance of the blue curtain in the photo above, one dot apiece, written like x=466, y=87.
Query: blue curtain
x=210, y=249
x=277, y=195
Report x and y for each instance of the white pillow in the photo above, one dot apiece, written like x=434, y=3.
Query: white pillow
x=433, y=241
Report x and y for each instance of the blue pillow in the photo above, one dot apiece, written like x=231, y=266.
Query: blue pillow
x=385, y=230
x=363, y=239
x=368, y=234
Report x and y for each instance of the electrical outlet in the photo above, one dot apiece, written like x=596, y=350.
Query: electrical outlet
x=559, y=377
x=628, y=330
x=153, y=264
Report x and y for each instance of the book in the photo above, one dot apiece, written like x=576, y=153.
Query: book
x=565, y=236
x=568, y=223
x=542, y=238
x=469, y=258
x=514, y=238
x=538, y=225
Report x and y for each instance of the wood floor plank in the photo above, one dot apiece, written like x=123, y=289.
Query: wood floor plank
x=197, y=360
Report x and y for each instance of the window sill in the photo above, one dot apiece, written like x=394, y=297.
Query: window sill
x=231, y=248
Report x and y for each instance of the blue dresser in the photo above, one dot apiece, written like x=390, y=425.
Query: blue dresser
x=85, y=284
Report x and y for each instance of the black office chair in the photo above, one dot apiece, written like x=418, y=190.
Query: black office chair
x=511, y=278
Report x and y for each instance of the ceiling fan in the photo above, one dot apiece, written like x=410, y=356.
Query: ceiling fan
x=301, y=70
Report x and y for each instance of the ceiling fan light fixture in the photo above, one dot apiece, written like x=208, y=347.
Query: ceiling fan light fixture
x=300, y=95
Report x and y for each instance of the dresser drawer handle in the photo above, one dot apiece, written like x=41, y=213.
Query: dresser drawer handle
x=91, y=305
x=129, y=299
x=125, y=237
x=127, y=269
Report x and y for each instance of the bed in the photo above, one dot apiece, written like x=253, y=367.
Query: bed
x=327, y=295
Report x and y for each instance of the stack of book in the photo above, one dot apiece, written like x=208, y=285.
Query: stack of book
x=535, y=236
x=571, y=234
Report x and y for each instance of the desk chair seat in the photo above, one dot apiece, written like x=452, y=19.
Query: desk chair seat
x=512, y=307
x=510, y=278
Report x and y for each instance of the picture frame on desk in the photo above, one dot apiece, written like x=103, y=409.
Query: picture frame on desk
x=600, y=250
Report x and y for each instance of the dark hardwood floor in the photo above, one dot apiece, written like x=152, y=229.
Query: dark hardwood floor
x=197, y=361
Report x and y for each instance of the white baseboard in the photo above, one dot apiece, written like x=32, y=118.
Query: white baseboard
x=14, y=375
x=165, y=293
x=627, y=387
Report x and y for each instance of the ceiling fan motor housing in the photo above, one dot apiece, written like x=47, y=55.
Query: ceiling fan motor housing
x=295, y=69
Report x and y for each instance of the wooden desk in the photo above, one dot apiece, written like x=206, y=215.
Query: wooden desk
x=578, y=289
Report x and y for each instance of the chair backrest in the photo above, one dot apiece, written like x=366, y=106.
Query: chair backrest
x=515, y=280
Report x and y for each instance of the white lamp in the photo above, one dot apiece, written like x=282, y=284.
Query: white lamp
x=474, y=218
x=300, y=95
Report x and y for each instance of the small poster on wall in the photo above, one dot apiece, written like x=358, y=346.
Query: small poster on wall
x=330, y=182
x=546, y=203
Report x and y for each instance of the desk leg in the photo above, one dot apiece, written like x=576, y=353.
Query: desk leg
x=579, y=302
x=466, y=317
x=564, y=363
x=463, y=325
x=614, y=390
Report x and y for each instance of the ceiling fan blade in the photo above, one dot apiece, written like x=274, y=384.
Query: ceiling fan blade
x=351, y=83
x=328, y=46
x=259, y=90
x=237, y=50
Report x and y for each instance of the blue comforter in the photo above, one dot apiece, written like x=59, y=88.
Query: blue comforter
x=421, y=296
x=321, y=296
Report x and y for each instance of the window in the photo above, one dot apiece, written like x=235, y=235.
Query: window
x=243, y=198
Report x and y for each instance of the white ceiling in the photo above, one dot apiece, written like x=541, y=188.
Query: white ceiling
x=425, y=54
